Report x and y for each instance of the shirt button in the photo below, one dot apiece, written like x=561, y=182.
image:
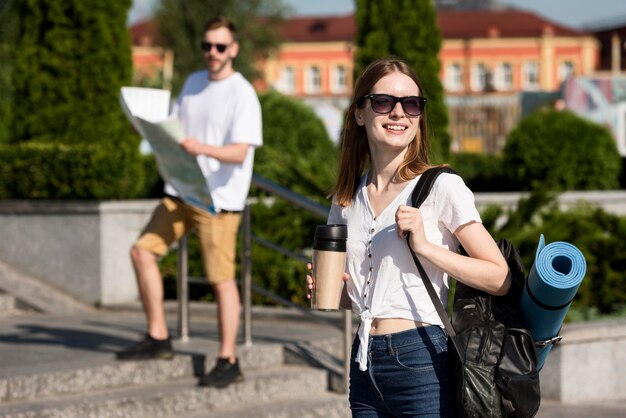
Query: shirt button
x=372, y=230
x=369, y=255
x=371, y=268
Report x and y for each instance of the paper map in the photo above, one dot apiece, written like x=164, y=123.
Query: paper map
x=146, y=110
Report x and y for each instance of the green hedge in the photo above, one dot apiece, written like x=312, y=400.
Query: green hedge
x=34, y=170
x=561, y=151
x=70, y=61
x=599, y=235
x=482, y=172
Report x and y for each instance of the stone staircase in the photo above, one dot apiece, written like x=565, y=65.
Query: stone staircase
x=56, y=361
x=161, y=388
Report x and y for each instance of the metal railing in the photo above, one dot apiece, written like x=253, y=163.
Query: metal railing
x=246, y=273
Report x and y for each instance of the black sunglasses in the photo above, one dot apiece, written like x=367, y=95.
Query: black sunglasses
x=208, y=46
x=384, y=103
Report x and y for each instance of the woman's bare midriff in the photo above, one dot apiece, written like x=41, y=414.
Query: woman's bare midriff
x=382, y=326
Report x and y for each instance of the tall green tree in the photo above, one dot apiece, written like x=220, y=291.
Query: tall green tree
x=71, y=59
x=181, y=26
x=407, y=29
x=8, y=36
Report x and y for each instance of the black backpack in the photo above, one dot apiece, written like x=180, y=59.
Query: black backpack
x=492, y=354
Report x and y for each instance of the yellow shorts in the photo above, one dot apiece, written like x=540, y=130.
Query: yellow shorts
x=173, y=218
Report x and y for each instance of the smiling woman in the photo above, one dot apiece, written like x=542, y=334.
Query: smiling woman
x=400, y=347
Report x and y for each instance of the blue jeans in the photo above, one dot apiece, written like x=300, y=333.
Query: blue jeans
x=406, y=376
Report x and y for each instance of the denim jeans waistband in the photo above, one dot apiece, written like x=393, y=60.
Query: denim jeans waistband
x=425, y=334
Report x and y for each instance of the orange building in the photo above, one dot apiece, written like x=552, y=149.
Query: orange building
x=506, y=51
x=489, y=59
x=510, y=51
x=315, y=58
x=153, y=65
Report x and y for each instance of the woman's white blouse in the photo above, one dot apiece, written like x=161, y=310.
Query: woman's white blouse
x=384, y=281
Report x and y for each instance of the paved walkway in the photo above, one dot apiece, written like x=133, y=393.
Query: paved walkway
x=33, y=343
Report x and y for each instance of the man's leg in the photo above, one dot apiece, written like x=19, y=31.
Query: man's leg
x=218, y=237
x=166, y=226
x=228, y=305
x=150, y=286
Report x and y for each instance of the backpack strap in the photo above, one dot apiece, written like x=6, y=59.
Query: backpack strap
x=420, y=193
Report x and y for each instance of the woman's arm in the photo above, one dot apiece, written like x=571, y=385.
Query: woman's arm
x=485, y=268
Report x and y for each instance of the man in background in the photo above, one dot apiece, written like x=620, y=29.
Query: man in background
x=221, y=116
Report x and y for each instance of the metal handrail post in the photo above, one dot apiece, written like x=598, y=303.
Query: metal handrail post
x=182, y=290
x=347, y=348
x=246, y=273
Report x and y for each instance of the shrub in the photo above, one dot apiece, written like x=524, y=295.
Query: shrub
x=71, y=59
x=81, y=171
x=599, y=235
x=561, y=151
x=481, y=172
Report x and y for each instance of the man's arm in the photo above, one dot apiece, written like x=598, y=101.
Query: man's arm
x=229, y=154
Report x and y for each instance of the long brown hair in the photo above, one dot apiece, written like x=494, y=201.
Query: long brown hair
x=355, y=152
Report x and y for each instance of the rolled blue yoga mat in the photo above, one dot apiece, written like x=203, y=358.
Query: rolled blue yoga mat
x=552, y=283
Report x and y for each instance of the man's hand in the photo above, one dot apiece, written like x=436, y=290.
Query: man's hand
x=193, y=147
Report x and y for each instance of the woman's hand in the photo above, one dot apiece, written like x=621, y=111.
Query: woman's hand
x=310, y=281
x=409, y=222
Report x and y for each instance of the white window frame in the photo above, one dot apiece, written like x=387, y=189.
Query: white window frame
x=313, y=80
x=503, y=80
x=566, y=69
x=287, y=80
x=454, y=77
x=479, y=76
x=530, y=75
x=339, y=79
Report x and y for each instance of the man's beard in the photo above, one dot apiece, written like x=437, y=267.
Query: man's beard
x=220, y=66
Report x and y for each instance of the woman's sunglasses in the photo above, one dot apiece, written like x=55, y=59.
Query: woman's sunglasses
x=384, y=103
x=208, y=46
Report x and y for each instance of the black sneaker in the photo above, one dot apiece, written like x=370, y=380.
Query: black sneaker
x=223, y=374
x=148, y=348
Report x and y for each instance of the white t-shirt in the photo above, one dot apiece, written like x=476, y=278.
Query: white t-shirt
x=220, y=113
x=384, y=281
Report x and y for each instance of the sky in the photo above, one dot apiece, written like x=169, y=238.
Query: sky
x=579, y=14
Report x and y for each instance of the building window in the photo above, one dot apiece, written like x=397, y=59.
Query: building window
x=454, y=77
x=530, y=76
x=566, y=69
x=504, y=77
x=312, y=81
x=479, y=77
x=287, y=80
x=339, y=83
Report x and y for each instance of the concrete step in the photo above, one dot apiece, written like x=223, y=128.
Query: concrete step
x=120, y=374
x=7, y=304
x=37, y=294
x=327, y=405
x=177, y=397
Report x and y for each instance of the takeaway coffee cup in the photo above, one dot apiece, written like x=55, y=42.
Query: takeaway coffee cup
x=329, y=261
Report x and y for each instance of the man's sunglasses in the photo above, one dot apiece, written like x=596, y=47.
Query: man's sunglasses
x=384, y=103
x=208, y=46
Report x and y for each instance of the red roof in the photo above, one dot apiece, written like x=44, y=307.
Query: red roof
x=503, y=23
x=319, y=28
x=453, y=25
x=510, y=23
x=145, y=33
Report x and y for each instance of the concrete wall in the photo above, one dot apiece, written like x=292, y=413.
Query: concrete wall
x=588, y=365
x=80, y=248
